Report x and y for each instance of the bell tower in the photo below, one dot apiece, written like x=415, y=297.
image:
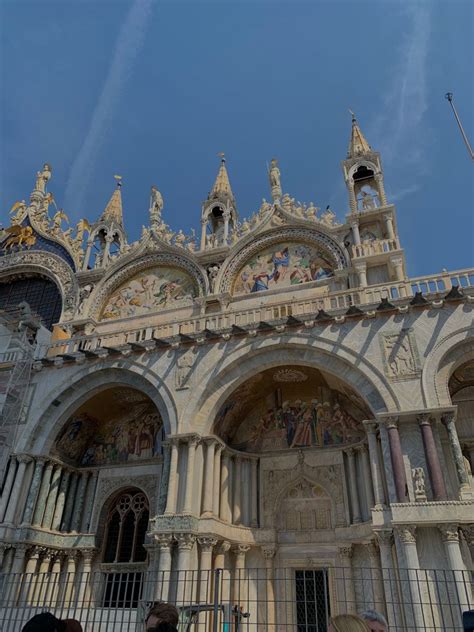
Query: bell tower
x=219, y=213
x=375, y=247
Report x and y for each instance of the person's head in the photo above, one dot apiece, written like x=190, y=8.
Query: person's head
x=347, y=623
x=72, y=625
x=44, y=622
x=375, y=621
x=162, y=613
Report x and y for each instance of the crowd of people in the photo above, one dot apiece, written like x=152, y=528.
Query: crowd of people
x=164, y=617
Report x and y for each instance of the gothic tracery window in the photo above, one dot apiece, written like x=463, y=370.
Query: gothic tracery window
x=127, y=524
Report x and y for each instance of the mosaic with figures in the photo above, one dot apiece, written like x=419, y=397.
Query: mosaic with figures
x=154, y=289
x=291, y=408
x=282, y=265
x=118, y=426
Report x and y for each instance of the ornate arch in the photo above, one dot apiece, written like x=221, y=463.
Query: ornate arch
x=62, y=401
x=245, y=361
x=116, y=276
x=300, y=234
x=449, y=354
x=49, y=265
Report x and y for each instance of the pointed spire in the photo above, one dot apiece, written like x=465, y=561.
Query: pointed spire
x=222, y=184
x=113, y=211
x=358, y=144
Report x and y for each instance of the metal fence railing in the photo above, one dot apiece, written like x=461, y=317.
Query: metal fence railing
x=271, y=599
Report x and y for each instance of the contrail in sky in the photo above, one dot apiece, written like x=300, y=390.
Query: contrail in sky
x=396, y=133
x=127, y=47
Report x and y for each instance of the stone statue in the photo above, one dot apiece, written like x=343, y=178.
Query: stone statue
x=418, y=475
x=83, y=296
x=328, y=216
x=180, y=238
x=311, y=211
x=274, y=174
x=18, y=209
x=245, y=226
x=156, y=206
x=286, y=203
x=57, y=219
x=27, y=320
x=82, y=226
x=42, y=178
x=212, y=273
x=367, y=200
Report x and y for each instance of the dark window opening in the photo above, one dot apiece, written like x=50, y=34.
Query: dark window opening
x=42, y=295
x=312, y=601
x=363, y=173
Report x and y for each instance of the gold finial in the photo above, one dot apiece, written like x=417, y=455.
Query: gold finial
x=118, y=179
x=221, y=155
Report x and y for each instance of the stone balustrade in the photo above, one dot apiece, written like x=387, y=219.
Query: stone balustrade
x=200, y=329
x=375, y=247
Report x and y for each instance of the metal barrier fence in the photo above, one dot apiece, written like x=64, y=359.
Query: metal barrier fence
x=272, y=599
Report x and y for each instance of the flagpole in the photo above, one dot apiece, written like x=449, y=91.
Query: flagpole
x=449, y=97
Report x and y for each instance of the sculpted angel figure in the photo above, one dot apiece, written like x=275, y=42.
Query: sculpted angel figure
x=82, y=226
x=311, y=211
x=58, y=217
x=274, y=174
x=18, y=209
x=180, y=238
x=156, y=205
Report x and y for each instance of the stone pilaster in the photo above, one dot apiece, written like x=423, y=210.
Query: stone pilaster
x=385, y=541
x=369, y=490
x=375, y=464
x=184, y=585
x=225, y=511
x=188, y=496
x=207, y=505
x=254, y=493
x=237, y=505
x=89, y=501
x=269, y=555
x=217, y=480
x=407, y=537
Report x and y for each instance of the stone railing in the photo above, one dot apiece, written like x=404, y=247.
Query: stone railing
x=376, y=247
x=203, y=326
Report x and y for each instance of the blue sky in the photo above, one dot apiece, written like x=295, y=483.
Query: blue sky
x=154, y=90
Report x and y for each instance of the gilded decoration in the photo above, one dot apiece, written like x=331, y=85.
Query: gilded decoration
x=266, y=413
x=282, y=265
x=116, y=426
x=157, y=288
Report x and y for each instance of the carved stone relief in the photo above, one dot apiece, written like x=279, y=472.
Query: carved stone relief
x=399, y=351
x=184, y=368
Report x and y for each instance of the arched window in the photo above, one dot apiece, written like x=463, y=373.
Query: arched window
x=123, y=553
x=41, y=294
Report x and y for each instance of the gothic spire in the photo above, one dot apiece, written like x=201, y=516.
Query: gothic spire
x=358, y=145
x=222, y=186
x=113, y=211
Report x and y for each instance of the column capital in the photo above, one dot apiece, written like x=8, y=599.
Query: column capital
x=164, y=540
x=40, y=459
x=360, y=266
x=354, y=221
x=269, y=551
x=372, y=549
x=449, y=532
x=392, y=422
x=73, y=554
x=448, y=418
x=207, y=543
x=407, y=533
x=387, y=215
x=223, y=547
x=24, y=458
x=384, y=537
x=370, y=426
x=350, y=452
x=193, y=440
x=346, y=551
x=424, y=419
x=88, y=554
x=185, y=541
x=241, y=549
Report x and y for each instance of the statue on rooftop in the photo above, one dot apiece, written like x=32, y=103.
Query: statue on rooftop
x=156, y=206
x=42, y=178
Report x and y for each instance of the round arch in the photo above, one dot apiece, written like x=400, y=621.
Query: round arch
x=46, y=265
x=245, y=362
x=40, y=433
x=448, y=355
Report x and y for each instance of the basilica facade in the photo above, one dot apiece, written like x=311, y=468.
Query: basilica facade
x=273, y=394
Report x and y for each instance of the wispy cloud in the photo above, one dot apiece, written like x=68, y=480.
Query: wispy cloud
x=127, y=47
x=396, y=133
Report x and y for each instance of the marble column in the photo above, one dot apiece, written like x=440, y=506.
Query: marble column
x=28, y=586
x=173, y=479
x=432, y=458
x=345, y=556
x=396, y=455
x=237, y=505
x=79, y=503
x=60, y=501
x=390, y=581
x=407, y=536
x=70, y=501
x=469, y=446
x=355, y=233
x=207, y=505
x=185, y=576
x=352, y=195
x=165, y=474
x=12, y=505
x=353, y=486
x=70, y=578
x=397, y=263
x=217, y=479
x=53, y=583
x=203, y=234
x=164, y=543
x=33, y=491
x=376, y=576
x=8, y=486
x=381, y=188
x=389, y=226
x=369, y=490
x=239, y=592
x=52, y=496
x=361, y=269
x=225, y=511
x=188, y=496
x=254, y=493
x=43, y=495
x=462, y=580
x=206, y=545
x=87, y=255
x=85, y=579
x=269, y=554
x=463, y=478
x=14, y=576
x=89, y=501
x=43, y=578
x=375, y=465
x=224, y=577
